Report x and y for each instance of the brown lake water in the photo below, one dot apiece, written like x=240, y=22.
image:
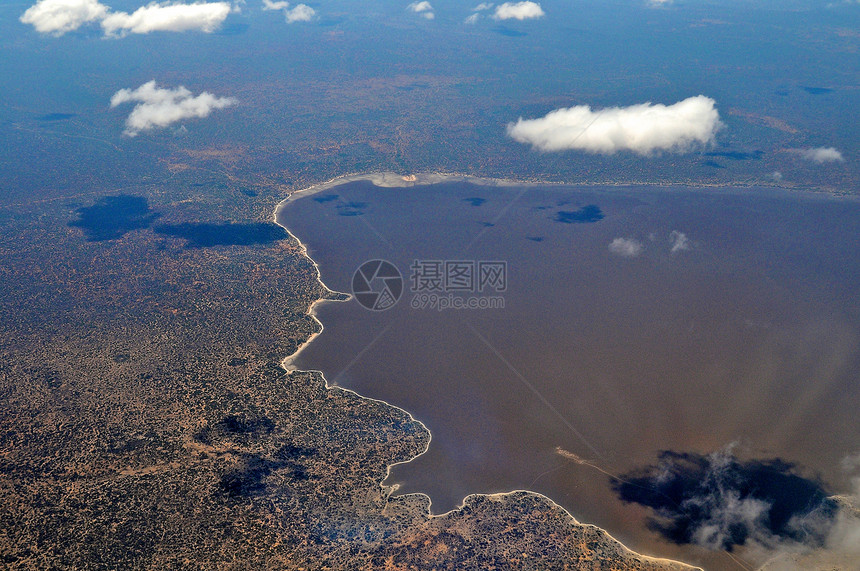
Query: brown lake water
x=747, y=333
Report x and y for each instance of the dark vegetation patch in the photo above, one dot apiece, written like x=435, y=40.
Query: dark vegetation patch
x=111, y=217
x=207, y=235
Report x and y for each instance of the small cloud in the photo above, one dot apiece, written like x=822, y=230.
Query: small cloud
x=627, y=247
x=658, y=3
x=301, y=13
x=202, y=16
x=776, y=175
x=518, y=11
x=472, y=19
x=423, y=9
x=821, y=155
x=679, y=241
x=642, y=129
x=57, y=17
x=161, y=107
x=482, y=6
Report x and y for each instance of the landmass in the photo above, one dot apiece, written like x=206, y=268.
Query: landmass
x=148, y=423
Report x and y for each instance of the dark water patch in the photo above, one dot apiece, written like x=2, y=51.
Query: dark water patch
x=249, y=192
x=112, y=217
x=737, y=155
x=475, y=200
x=234, y=29
x=351, y=208
x=584, y=215
x=236, y=362
x=206, y=235
x=326, y=198
x=720, y=502
x=57, y=117
x=509, y=32
x=535, y=238
x=816, y=90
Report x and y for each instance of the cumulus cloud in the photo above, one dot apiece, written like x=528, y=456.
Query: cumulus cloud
x=627, y=247
x=475, y=16
x=841, y=549
x=679, y=241
x=300, y=13
x=155, y=17
x=642, y=129
x=160, y=107
x=518, y=11
x=822, y=155
x=60, y=16
x=423, y=8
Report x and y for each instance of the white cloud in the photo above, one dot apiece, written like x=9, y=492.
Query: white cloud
x=60, y=16
x=155, y=17
x=641, y=129
x=822, y=155
x=423, y=8
x=518, y=11
x=301, y=13
x=679, y=241
x=160, y=107
x=626, y=247
x=479, y=8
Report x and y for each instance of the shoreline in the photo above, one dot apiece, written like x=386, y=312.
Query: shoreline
x=393, y=180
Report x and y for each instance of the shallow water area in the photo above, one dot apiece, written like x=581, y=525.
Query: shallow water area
x=632, y=320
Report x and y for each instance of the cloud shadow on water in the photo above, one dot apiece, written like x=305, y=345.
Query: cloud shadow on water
x=584, y=215
x=111, y=217
x=719, y=502
x=206, y=235
x=509, y=32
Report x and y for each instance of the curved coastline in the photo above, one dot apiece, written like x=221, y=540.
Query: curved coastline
x=393, y=180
